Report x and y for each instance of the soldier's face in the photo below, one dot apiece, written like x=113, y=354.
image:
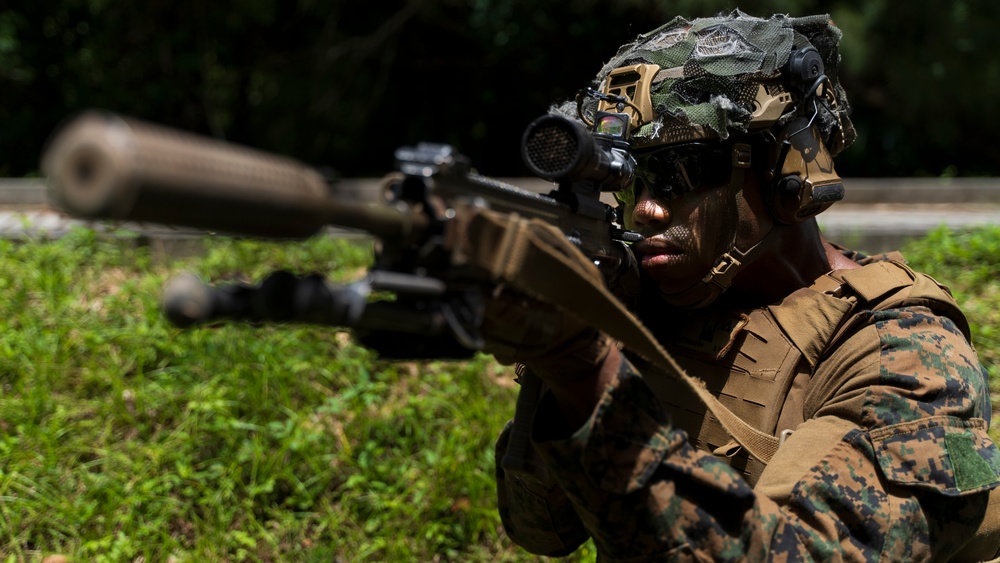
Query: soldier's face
x=686, y=235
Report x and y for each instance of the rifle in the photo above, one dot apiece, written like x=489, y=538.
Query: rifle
x=105, y=166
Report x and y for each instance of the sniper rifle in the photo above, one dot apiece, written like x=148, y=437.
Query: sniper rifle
x=103, y=166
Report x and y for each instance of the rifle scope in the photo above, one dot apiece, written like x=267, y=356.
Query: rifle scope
x=560, y=150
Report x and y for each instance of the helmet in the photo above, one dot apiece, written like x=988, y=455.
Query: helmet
x=770, y=85
x=711, y=77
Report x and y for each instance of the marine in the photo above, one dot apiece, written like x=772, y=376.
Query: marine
x=861, y=406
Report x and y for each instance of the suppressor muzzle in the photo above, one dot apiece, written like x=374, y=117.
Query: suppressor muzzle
x=104, y=166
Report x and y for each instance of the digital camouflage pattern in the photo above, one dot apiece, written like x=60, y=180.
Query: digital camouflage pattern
x=892, y=462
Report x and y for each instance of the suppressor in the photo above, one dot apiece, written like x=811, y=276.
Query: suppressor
x=102, y=165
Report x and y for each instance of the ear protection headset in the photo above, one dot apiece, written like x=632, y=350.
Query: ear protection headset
x=802, y=181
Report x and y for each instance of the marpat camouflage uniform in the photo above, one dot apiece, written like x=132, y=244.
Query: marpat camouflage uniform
x=890, y=459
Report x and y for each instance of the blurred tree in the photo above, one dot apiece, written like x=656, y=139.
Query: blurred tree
x=342, y=84
x=924, y=78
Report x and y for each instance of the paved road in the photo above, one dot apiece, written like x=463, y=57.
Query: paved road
x=877, y=215
x=882, y=227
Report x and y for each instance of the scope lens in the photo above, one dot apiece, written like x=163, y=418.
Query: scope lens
x=551, y=148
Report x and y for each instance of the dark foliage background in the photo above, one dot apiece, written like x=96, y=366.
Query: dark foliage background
x=342, y=83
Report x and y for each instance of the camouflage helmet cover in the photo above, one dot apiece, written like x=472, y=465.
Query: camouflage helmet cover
x=710, y=71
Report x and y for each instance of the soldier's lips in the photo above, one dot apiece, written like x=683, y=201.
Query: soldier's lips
x=662, y=259
x=654, y=255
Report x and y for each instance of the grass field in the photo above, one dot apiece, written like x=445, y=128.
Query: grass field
x=124, y=439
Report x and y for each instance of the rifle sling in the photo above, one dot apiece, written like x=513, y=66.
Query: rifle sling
x=536, y=258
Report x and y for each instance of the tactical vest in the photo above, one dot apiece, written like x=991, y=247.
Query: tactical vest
x=770, y=353
x=760, y=363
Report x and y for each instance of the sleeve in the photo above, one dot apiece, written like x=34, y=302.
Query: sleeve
x=893, y=460
x=535, y=512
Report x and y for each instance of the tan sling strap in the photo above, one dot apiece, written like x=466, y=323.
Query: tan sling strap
x=537, y=259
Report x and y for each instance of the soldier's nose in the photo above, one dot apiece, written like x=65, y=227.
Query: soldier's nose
x=649, y=212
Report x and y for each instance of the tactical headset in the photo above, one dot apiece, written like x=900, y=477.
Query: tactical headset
x=802, y=181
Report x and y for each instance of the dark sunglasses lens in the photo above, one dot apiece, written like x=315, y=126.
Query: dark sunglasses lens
x=677, y=170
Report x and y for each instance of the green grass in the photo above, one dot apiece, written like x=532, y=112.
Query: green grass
x=122, y=437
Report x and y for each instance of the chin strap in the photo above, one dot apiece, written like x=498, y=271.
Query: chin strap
x=731, y=259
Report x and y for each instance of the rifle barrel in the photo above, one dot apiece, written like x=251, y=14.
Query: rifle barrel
x=105, y=166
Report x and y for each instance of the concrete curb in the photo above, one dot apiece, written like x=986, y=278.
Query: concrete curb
x=26, y=191
x=877, y=214
x=18, y=191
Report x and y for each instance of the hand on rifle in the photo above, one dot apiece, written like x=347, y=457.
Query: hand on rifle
x=574, y=359
x=555, y=345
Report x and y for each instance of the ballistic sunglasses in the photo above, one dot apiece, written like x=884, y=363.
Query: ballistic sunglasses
x=675, y=170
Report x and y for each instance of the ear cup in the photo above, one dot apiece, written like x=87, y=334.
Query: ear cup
x=802, y=181
x=805, y=66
